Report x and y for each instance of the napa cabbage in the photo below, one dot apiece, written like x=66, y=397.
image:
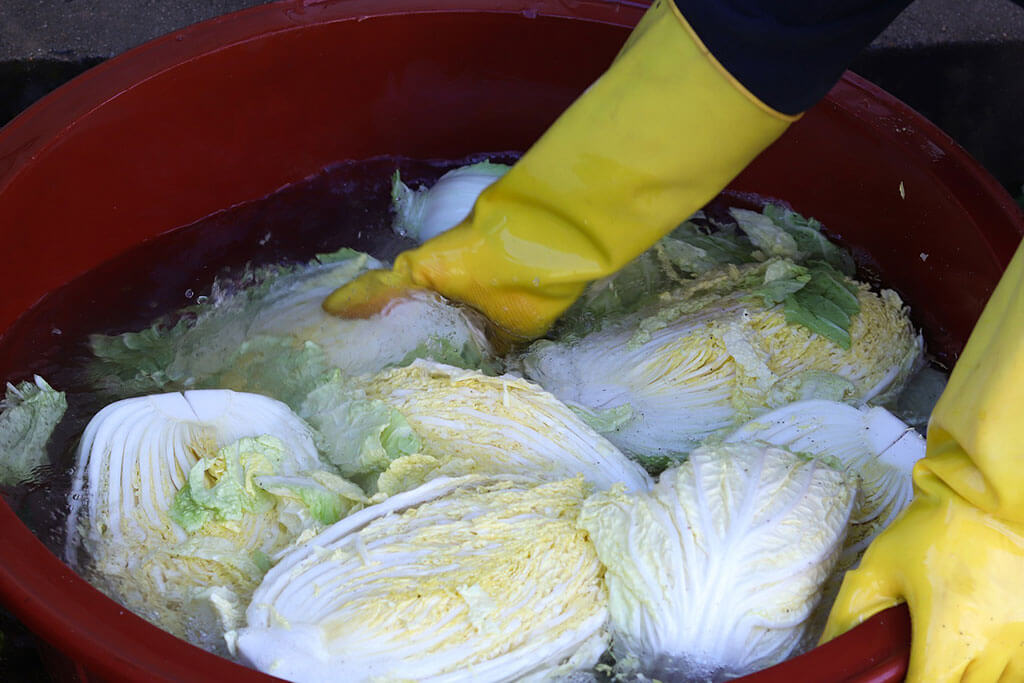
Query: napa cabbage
x=361, y=435
x=425, y=213
x=267, y=332
x=358, y=435
x=180, y=500
x=29, y=413
x=871, y=443
x=469, y=422
x=715, y=573
x=466, y=579
x=422, y=324
x=722, y=350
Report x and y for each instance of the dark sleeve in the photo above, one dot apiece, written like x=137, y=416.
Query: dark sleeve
x=788, y=53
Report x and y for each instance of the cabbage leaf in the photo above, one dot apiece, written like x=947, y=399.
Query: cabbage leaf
x=178, y=494
x=29, y=413
x=358, y=434
x=473, y=423
x=425, y=213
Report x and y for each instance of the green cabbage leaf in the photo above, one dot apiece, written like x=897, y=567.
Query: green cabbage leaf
x=720, y=351
x=29, y=413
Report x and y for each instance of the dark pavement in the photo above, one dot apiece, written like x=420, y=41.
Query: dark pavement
x=81, y=29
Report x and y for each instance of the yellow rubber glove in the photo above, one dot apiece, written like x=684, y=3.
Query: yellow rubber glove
x=956, y=556
x=650, y=142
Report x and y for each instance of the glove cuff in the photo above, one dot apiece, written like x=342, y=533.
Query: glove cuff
x=672, y=8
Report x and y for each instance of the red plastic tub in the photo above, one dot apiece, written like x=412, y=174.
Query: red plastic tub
x=229, y=110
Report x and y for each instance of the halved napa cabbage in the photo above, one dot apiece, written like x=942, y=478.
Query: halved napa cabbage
x=721, y=351
x=716, y=572
x=469, y=422
x=180, y=499
x=249, y=330
x=871, y=443
x=467, y=579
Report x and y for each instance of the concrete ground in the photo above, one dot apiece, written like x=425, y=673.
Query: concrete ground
x=83, y=29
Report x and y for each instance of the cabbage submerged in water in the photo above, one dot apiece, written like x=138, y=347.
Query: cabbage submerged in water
x=425, y=213
x=268, y=333
x=29, y=413
x=179, y=500
x=722, y=349
x=716, y=572
x=471, y=579
x=472, y=423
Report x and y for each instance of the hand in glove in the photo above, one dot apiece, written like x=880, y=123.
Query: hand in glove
x=956, y=556
x=650, y=142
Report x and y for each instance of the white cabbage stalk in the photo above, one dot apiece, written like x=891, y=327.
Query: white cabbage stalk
x=871, y=442
x=420, y=324
x=423, y=214
x=704, y=363
x=469, y=422
x=715, y=572
x=469, y=579
x=134, y=458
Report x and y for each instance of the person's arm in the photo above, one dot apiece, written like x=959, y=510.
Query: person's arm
x=650, y=142
x=657, y=136
x=788, y=53
x=956, y=555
